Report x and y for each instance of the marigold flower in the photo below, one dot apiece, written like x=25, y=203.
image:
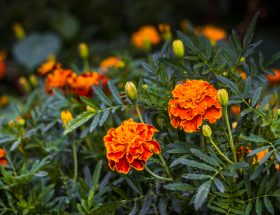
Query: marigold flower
x=213, y=33
x=3, y=160
x=130, y=146
x=274, y=79
x=193, y=102
x=2, y=64
x=145, y=37
x=243, y=75
x=4, y=100
x=59, y=79
x=82, y=84
x=259, y=156
x=235, y=109
x=165, y=31
x=47, y=66
x=66, y=116
x=111, y=62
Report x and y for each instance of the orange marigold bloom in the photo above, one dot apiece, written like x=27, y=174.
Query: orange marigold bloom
x=145, y=36
x=193, y=102
x=212, y=32
x=59, y=79
x=274, y=79
x=3, y=160
x=130, y=145
x=111, y=62
x=235, y=109
x=259, y=156
x=82, y=84
x=2, y=64
x=47, y=67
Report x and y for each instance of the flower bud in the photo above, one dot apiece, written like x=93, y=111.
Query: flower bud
x=90, y=109
x=178, y=48
x=19, y=31
x=131, y=91
x=242, y=60
x=83, y=50
x=24, y=84
x=33, y=80
x=66, y=117
x=20, y=121
x=223, y=97
x=206, y=130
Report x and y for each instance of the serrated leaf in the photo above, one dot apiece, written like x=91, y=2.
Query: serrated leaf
x=178, y=187
x=115, y=92
x=256, y=96
x=206, y=158
x=95, y=122
x=196, y=176
x=147, y=67
x=272, y=60
x=78, y=121
x=202, y=194
x=88, y=102
x=268, y=205
x=104, y=117
x=196, y=164
x=232, y=86
x=258, y=206
x=250, y=32
x=101, y=95
x=255, y=138
x=187, y=42
x=219, y=185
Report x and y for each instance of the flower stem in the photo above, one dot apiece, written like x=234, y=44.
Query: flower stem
x=219, y=151
x=74, y=148
x=86, y=65
x=165, y=167
x=138, y=113
x=229, y=134
x=157, y=176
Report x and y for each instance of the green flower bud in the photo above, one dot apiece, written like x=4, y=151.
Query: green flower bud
x=178, y=48
x=131, y=91
x=223, y=97
x=206, y=130
x=83, y=50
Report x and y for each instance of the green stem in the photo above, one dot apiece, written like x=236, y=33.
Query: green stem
x=165, y=167
x=74, y=148
x=157, y=176
x=86, y=65
x=139, y=114
x=231, y=144
x=219, y=151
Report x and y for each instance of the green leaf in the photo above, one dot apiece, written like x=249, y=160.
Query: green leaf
x=268, y=205
x=245, y=111
x=187, y=42
x=264, y=159
x=258, y=150
x=250, y=32
x=202, y=194
x=78, y=121
x=196, y=164
x=277, y=155
x=178, y=187
x=96, y=175
x=248, y=208
x=102, y=96
x=115, y=92
x=256, y=96
x=88, y=102
x=272, y=60
x=219, y=185
x=258, y=206
x=196, y=176
x=108, y=208
x=95, y=122
x=236, y=41
x=104, y=117
x=254, y=138
x=147, y=67
x=205, y=157
x=232, y=86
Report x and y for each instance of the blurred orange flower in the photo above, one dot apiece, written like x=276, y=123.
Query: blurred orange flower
x=130, y=145
x=59, y=79
x=111, y=62
x=193, y=102
x=165, y=31
x=2, y=64
x=47, y=67
x=235, y=109
x=213, y=33
x=82, y=84
x=259, y=156
x=274, y=79
x=3, y=160
x=145, y=37
x=4, y=100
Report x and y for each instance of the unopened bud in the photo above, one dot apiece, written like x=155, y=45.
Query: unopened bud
x=66, y=117
x=83, y=50
x=206, y=130
x=19, y=31
x=90, y=109
x=223, y=97
x=33, y=80
x=178, y=48
x=24, y=84
x=20, y=121
x=131, y=91
x=242, y=60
